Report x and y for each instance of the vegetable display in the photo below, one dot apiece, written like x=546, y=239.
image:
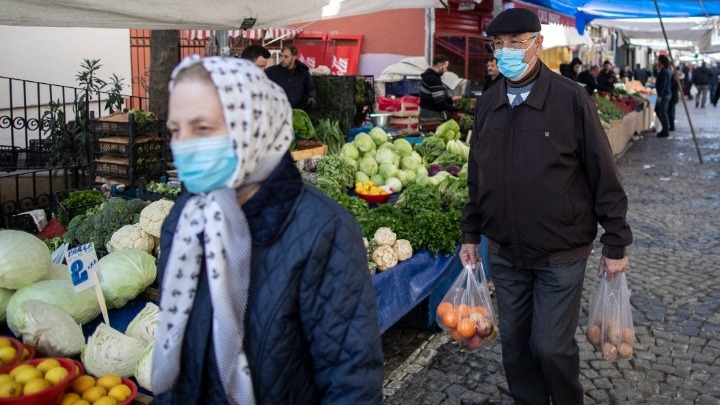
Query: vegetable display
x=329, y=133
x=98, y=226
x=5, y=296
x=110, y=352
x=126, y=273
x=144, y=324
x=78, y=199
x=50, y=329
x=302, y=125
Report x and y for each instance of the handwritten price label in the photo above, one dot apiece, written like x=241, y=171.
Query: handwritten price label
x=81, y=262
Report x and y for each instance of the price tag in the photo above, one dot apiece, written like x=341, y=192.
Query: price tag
x=81, y=261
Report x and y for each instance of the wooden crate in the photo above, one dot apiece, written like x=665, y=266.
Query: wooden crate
x=309, y=153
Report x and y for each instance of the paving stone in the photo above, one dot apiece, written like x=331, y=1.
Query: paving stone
x=707, y=400
x=660, y=400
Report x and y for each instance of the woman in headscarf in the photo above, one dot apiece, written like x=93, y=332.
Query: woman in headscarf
x=266, y=296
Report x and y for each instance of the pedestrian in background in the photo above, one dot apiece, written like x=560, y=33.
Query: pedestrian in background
x=714, y=72
x=606, y=78
x=674, y=98
x=701, y=80
x=663, y=88
x=589, y=79
x=266, y=297
x=493, y=74
x=435, y=103
x=640, y=74
x=541, y=175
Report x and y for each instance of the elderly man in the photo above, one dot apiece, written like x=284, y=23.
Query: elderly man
x=541, y=176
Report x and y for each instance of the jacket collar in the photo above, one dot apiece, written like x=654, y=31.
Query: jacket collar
x=538, y=94
x=270, y=210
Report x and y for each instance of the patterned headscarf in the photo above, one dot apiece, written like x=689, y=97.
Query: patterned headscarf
x=258, y=118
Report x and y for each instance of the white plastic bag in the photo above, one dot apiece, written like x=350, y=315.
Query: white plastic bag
x=610, y=327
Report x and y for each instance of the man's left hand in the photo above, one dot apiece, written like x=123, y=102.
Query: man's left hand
x=611, y=267
x=311, y=103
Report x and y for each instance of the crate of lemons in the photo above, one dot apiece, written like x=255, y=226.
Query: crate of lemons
x=12, y=351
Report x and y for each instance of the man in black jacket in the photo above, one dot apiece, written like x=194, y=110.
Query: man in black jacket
x=606, y=78
x=434, y=100
x=589, y=79
x=294, y=77
x=541, y=175
x=493, y=74
x=701, y=80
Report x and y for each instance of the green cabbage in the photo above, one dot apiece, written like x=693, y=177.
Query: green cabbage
x=368, y=165
x=363, y=142
x=24, y=259
x=387, y=170
x=111, y=352
x=403, y=177
x=81, y=306
x=50, y=329
x=384, y=155
x=378, y=135
x=143, y=370
x=126, y=273
x=377, y=180
x=361, y=177
x=5, y=296
x=387, y=145
x=57, y=272
x=143, y=325
x=403, y=147
x=410, y=163
x=350, y=151
x=410, y=175
x=350, y=162
x=422, y=171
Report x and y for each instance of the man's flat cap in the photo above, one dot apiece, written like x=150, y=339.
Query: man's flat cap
x=514, y=21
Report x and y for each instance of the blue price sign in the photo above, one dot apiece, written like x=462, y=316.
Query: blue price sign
x=81, y=261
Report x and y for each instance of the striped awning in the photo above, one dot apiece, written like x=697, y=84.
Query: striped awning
x=256, y=33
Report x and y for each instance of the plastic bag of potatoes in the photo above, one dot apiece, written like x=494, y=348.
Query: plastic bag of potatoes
x=610, y=325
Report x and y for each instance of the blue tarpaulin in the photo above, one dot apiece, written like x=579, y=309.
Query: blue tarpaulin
x=585, y=11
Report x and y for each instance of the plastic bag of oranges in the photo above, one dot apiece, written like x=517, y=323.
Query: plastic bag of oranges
x=466, y=311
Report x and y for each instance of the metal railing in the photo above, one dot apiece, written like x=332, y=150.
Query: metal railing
x=31, y=178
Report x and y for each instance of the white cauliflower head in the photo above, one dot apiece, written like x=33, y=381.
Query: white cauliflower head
x=152, y=216
x=366, y=244
x=385, y=236
x=131, y=236
x=403, y=249
x=385, y=257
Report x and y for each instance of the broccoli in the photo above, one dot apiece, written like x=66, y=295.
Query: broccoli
x=112, y=215
x=72, y=228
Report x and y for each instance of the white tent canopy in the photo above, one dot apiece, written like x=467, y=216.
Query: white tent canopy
x=186, y=14
x=696, y=29
x=561, y=35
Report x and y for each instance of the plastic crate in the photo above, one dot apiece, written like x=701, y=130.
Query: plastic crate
x=121, y=170
x=122, y=123
x=9, y=157
x=405, y=125
x=403, y=87
x=144, y=145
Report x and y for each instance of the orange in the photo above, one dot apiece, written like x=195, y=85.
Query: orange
x=443, y=308
x=456, y=335
x=463, y=311
x=480, y=310
x=466, y=327
x=450, y=319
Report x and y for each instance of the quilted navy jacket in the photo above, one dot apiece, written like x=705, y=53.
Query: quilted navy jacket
x=311, y=332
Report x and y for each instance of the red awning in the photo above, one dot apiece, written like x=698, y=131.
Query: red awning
x=257, y=33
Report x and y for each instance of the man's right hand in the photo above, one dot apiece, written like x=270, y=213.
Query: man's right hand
x=469, y=255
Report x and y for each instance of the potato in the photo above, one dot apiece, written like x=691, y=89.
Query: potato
x=625, y=350
x=628, y=336
x=594, y=334
x=609, y=351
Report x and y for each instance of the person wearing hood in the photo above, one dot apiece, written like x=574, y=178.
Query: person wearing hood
x=572, y=70
x=265, y=292
x=435, y=103
x=294, y=77
x=541, y=176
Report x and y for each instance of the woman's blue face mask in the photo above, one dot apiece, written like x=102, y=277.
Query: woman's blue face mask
x=204, y=164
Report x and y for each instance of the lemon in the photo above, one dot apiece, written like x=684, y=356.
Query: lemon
x=108, y=381
x=10, y=389
x=5, y=342
x=70, y=398
x=25, y=355
x=35, y=386
x=5, y=378
x=7, y=354
x=55, y=375
x=120, y=392
x=26, y=375
x=46, y=365
x=82, y=384
x=19, y=369
x=81, y=402
x=106, y=401
x=93, y=394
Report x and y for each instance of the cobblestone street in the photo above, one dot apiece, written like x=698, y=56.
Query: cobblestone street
x=674, y=276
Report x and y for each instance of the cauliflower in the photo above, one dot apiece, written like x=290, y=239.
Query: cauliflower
x=403, y=249
x=131, y=236
x=366, y=244
x=385, y=236
x=152, y=216
x=385, y=257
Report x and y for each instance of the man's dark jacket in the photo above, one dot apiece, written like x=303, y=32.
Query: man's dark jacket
x=588, y=80
x=432, y=93
x=701, y=76
x=297, y=83
x=542, y=175
x=311, y=333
